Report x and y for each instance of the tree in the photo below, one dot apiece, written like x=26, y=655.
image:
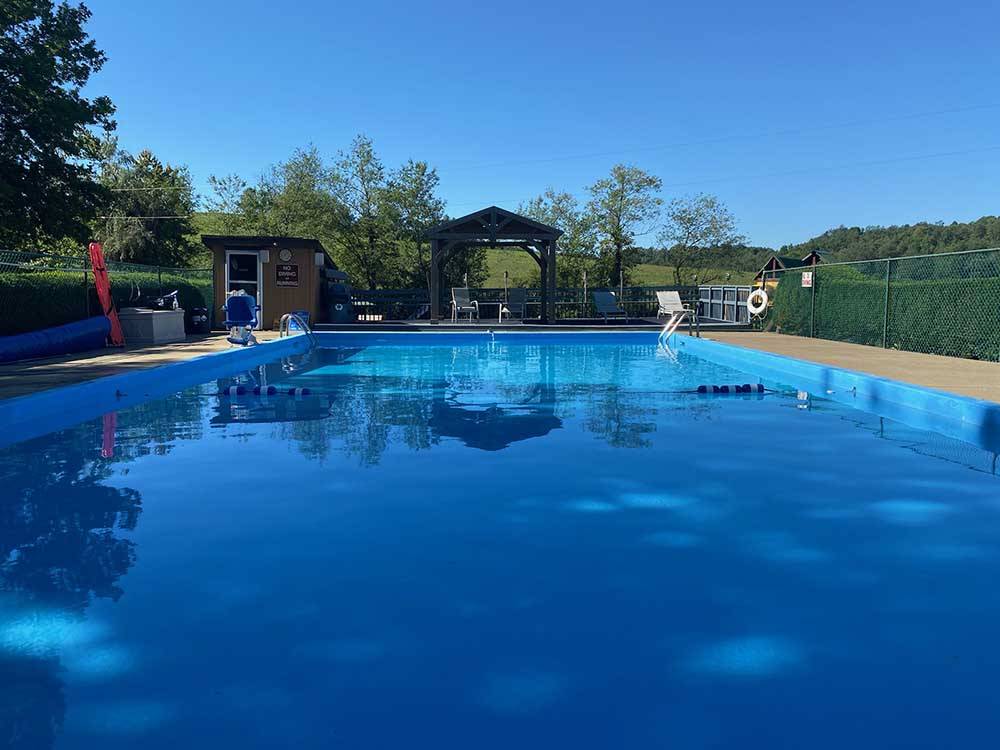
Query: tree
x=294, y=198
x=367, y=237
x=578, y=244
x=411, y=192
x=149, y=214
x=695, y=227
x=47, y=127
x=622, y=206
x=298, y=198
x=224, y=211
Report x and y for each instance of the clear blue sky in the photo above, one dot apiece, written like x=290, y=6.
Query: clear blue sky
x=800, y=117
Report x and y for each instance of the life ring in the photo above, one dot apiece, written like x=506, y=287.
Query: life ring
x=338, y=306
x=757, y=301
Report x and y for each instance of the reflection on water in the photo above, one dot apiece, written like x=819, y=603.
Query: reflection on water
x=663, y=475
x=485, y=399
x=61, y=546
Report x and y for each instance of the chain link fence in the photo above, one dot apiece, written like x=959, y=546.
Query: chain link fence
x=39, y=290
x=947, y=303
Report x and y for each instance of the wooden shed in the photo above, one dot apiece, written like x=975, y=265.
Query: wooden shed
x=285, y=274
x=778, y=263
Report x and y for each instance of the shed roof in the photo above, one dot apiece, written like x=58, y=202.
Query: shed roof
x=247, y=240
x=262, y=242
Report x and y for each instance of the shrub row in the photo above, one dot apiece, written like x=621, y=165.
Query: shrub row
x=32, y=300
x=955, y=317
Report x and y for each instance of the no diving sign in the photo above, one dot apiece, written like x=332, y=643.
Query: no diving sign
x=807, y=279
x=286, y=274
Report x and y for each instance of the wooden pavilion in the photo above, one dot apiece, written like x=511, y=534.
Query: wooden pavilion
x=496, y=227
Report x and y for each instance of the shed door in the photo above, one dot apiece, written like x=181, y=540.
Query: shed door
x=243, y=272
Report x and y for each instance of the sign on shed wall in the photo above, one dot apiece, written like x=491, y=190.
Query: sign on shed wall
x=286, y=274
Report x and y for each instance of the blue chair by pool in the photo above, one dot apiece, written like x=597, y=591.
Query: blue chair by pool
x=241, y=318
x=607, y=305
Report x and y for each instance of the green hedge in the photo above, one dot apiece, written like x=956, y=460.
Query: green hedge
x=951, y=316
x=32, y=300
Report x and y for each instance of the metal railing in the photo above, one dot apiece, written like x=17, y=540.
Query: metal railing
x=946, y=303
x=570, y=302
x=285, y=329
x=724, y=303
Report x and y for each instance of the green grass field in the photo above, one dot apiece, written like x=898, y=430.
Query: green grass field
x=520, y=265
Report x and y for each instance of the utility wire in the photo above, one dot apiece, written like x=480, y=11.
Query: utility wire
x=793, y=172
x=136, y=189
x=726, y=138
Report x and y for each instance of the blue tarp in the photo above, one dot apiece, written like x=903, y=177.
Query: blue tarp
x=72, y=337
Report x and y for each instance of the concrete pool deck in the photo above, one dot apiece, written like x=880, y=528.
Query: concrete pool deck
x=34, y=375
x=960, y=376
x=965, y=377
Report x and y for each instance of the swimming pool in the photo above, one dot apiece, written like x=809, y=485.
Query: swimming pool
x=541, y=541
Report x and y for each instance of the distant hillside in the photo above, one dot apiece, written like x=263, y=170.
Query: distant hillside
x=856, y=243
x=521, y=268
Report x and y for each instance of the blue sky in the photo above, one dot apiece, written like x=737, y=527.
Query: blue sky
x=800, y=116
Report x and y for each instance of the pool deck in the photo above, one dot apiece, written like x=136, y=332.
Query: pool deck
x=962, y=376
x=34, y=375
x=965, y=377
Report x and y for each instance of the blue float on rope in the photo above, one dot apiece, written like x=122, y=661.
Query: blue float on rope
x=727, y=389
x=264, y=390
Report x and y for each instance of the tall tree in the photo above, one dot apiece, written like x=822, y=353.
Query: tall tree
x=412, y=192
x=294, y=197
x=47, y=127
x=578, y=244
x=149, y=214
x=622, y=206
x=695, y=227
x=367, y=242
x=224, y=214
x=300, y=197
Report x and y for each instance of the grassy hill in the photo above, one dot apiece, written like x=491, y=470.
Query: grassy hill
x=863, y=243
x=519, y=266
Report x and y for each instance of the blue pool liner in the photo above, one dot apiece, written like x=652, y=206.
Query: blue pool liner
x=968, y=419
x=971, y=420
x=38, y=414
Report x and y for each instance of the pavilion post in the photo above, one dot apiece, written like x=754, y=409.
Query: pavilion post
x=552, y=248
x=435, y=285
x=543, y=262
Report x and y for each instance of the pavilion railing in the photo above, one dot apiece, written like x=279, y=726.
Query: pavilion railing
x=570, y=302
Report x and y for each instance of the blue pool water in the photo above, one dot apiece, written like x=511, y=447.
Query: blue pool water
x=497, y=546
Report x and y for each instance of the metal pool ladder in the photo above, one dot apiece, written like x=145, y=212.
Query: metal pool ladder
x=286, y=321
x=672, y=325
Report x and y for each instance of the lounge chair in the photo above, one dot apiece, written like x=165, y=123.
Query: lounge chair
x=461, y=304
x=516, y=304
x=607, y=306
x=241, y=318
x=670, y=304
